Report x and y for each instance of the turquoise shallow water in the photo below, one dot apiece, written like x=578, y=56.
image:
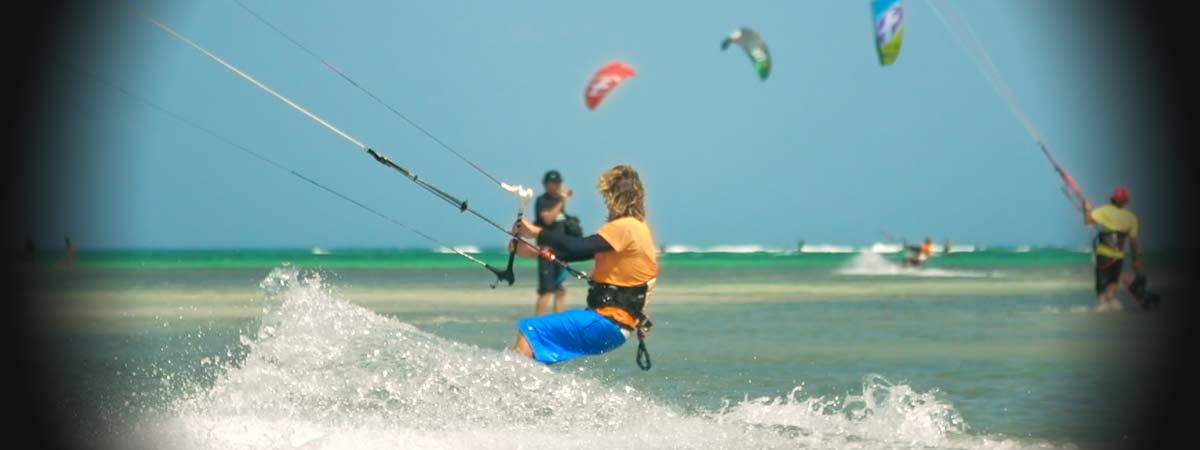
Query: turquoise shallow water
x=400, y=349
x=420, y=258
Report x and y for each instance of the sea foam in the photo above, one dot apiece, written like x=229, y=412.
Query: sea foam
x=874, y=264
x=323, y=373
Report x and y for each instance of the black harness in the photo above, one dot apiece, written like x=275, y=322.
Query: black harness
x=1113, y=239
x=631, y=299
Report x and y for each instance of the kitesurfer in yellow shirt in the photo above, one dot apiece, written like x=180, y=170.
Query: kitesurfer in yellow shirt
x=1115, y=225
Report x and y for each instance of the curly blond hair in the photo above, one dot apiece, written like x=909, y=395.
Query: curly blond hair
x=623, y=193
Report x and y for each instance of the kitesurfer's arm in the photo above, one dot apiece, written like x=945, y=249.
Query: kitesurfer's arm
x=524, y=251
x=1087, y=214
x=566, y=248
x=1137, y=253
x=1135, y=244
x=570, y=248
x=523, y=229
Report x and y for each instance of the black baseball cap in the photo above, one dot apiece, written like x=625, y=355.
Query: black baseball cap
x=552, y=175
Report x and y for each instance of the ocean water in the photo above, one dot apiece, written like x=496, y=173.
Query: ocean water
x=753, y=348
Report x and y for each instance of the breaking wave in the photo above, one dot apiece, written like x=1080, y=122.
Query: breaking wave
x=874, y=264
x=323, y=373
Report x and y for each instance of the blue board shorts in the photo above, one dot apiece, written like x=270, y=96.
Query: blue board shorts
x=570, y=334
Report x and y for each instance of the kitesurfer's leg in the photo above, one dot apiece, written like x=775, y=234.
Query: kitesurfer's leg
x=1108, y=277
x=522, y=346
x=1111, y=297
x=1106, y=300
x=566, y=335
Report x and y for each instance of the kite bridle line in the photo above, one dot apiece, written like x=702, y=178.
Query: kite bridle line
x=964, y=34
x=523, y=194
x=517, y=190
x=1071, y=187
x=261, y=157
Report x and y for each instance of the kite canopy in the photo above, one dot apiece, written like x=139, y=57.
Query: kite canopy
x=604, y=81
x=754, y=46
x=889, y=29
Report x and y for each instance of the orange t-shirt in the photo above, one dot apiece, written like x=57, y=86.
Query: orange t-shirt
x=633, y=261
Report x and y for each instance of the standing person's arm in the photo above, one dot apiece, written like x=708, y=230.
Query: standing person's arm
x=1087, y=213
x=1136, y=246
x=1137, y=253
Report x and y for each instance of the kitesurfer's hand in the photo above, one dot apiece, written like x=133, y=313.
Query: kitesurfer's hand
x=525, y=229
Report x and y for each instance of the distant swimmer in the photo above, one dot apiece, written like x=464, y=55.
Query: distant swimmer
x=1115, y=225
x=69, y=253
x=625, y=272
x=919, y=253
x=946, y=246
x=550, y=213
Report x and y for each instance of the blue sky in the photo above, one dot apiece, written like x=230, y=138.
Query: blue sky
x=832, y=148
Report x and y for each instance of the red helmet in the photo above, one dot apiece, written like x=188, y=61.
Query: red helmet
x=1120, y=194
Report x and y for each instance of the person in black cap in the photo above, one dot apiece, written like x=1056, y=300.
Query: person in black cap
x=550, y=213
